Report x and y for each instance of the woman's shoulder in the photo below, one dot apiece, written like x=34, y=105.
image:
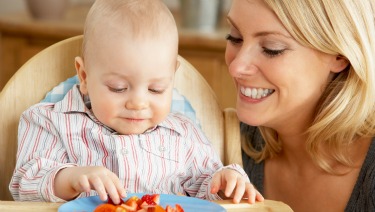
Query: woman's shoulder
x=369, y=163
x=368, y=167
x=363, y=196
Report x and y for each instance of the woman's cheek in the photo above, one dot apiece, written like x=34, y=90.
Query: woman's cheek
x=229, y=54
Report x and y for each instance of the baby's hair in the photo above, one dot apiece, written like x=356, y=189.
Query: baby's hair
x=139, y=19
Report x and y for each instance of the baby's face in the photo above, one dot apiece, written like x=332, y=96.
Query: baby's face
x=130, y=85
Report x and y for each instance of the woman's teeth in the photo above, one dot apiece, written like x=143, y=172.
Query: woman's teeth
x=256, y=93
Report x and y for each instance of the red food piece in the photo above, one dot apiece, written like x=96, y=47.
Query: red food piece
x=156, y=198
x=149, y=199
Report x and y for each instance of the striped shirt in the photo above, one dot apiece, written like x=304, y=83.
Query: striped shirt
x=174, y=157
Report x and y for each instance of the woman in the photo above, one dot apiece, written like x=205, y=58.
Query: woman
x=305, y=75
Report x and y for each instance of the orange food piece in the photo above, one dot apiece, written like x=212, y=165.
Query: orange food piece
x=105, y=208
x=169, y=209
x=177, y=208
x=156, y=208
x=131, y=204
x=120, y=209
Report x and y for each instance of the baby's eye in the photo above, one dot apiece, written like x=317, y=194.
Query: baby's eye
x=233, y=40
x=117, y=90
x=156, y=91
x=273, y=52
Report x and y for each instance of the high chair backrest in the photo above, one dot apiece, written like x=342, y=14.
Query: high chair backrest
x=55, y=64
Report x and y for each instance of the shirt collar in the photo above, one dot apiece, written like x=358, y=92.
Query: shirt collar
x=73, y=101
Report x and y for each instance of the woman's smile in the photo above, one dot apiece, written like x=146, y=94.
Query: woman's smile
x=256, y=93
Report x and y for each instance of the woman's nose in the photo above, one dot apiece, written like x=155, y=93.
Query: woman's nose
x=242, y=65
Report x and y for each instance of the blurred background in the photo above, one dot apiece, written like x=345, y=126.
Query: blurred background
x=8, y=6
x=29, y=26
x=17, y=5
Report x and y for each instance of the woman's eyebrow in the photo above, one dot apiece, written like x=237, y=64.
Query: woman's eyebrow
x=231, y=22
x=266, y=33
x=261, y=33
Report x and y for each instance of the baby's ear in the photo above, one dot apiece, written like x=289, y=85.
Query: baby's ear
x=339, y=64
x=82, y=75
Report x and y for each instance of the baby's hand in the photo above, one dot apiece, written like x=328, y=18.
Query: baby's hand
x=98, y=178
x=230, y=180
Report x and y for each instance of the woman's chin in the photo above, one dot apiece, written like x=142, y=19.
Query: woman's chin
x=249, y=119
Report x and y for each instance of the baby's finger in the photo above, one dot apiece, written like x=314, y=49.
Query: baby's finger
x=259, y=197
x=231, y=184
x=240, y=190
x=114, y=188
x=251, y=192
x=120, y=189
x=97, y=184
x=82, y=184
x=215, y=183
x=111, y=190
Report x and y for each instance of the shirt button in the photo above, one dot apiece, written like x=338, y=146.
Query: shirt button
x=124, y=151
x=162, y=148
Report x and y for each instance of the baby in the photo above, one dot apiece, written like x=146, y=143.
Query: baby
x=114, y=132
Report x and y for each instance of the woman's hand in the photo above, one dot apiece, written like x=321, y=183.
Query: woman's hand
x=234, y=185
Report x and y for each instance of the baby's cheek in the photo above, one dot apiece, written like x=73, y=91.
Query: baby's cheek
x=104, y=111
x=162, y=110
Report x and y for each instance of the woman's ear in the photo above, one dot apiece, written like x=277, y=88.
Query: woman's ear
x=339, y=64
x=82, y=75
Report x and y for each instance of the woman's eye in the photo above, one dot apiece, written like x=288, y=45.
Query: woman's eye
x=117, y=90
x=233, y=40
x=156, y=91
x=273, y=52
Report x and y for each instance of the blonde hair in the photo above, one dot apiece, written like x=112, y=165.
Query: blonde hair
x=138, y=19
x=346, y=110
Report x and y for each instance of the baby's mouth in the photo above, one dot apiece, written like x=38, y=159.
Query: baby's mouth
x=256, y=93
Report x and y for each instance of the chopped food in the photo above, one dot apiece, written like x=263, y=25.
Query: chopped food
x=147, y=203
x=105, y=208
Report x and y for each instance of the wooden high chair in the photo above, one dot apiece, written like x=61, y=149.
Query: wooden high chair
x=55, y=64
